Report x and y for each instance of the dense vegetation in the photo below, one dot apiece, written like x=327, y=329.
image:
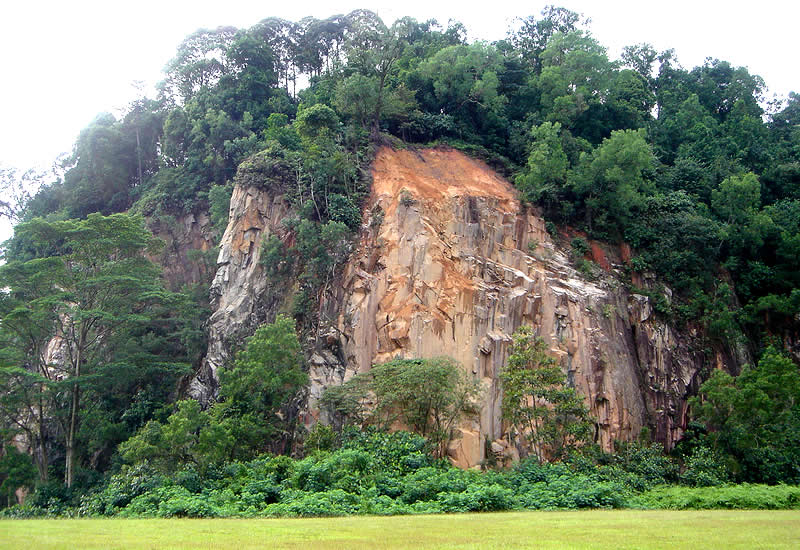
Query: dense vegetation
x=693, y=168
x=372, y=472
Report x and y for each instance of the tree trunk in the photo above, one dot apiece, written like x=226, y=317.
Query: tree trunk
x=41, y=452
x=69, y=474
x=139, y=155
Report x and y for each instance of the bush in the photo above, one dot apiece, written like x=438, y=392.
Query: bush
x=397, y=452
x=579, y=247
x=704, y=468
x=572, y=492
x=486, y=498
x=320, y=438
x=347, y=469
x=121, y=489
x=327, y=503
x=733, y=497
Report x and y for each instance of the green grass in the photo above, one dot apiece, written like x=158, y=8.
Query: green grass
x=595, y=529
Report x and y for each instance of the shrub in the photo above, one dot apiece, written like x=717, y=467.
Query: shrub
x=572, y=492
x=397, y=452
x=579, y=247
x=427, y=483
x=744, y=496
x=121, y=489
x=407, y=199
x=321, y=438
x=327, y=503
x=486, y=498
x=347, y=469
x=704, y=468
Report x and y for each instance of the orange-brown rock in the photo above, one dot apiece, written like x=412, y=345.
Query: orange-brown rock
x=188, y=239
x=448, y=262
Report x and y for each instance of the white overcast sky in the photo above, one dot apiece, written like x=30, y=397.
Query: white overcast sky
x=63, y=62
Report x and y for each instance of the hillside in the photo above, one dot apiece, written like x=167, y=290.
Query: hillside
x=230, y=268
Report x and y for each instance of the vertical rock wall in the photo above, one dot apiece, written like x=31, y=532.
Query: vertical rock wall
x=188, y=241
x=448, y=263
x=242, y=297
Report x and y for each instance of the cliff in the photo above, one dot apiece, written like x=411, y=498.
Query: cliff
x=449, y=263
x=242, y=297
x=188, y=241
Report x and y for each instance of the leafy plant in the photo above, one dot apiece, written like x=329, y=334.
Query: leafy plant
x=547, y=413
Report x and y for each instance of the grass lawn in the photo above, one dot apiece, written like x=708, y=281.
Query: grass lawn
x=590, y=529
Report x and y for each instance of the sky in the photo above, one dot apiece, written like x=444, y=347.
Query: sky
x=66, y=61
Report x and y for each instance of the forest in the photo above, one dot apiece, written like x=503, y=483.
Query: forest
x=696, y=169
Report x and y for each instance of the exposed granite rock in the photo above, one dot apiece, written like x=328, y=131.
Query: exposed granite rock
x=242, y=297
x=449, y=263
x=189, y=239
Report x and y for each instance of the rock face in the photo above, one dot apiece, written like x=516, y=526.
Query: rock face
x=241, y=295
x=188, y=240
x=448, y=263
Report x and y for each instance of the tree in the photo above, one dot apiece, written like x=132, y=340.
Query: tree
x=201, y=60
x=369, y=102
x=249, y=418
x=372, y=50
x=737, y=199
x=612, y=179
x=265, y=376
x=545, y=175
x=754, y=418
x=642, y=59
x=532, y=36
x=463, y=81
x=15, y=190
x=98, y=285
x=427, y=395
x=537, y=401
x=29, y=309
x=16, y=471
x=189, y=436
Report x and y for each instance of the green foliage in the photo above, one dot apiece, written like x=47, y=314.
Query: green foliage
x=265, y=376
x=463, y=81
x=430, y=410
x=406, y=198
x=546, y=412
x=93, y=286
x=275, y=258
x=188, y=436
x=375, y=472
x=704, y=468
x=316, y=120
x=579, y=247
x=754, y=418
x=18, y=472
x=612, y=180
x=219, y=202
x=545, y=175
x=731, y=497
x=320, y=438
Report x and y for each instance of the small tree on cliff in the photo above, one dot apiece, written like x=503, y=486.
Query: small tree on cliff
x=427, y=395
x=537, y=401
